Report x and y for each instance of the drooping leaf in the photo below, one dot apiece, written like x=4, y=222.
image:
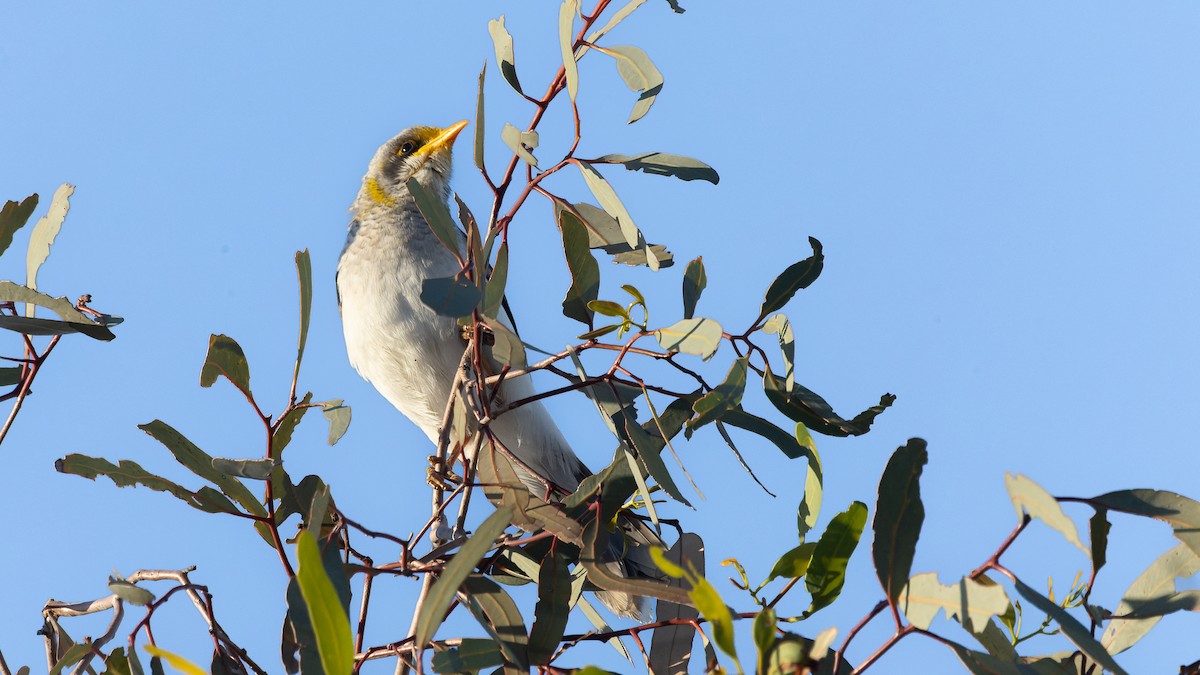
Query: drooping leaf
x=450, y=296
x=694, y=283
x=471, y=655
x=550, y=614
x=1181, y=513
x=725, y=397
x=585, y=273
x=701, y=337
x=1076, y=632
x=201, y=463
x=304, y=272
x=287, y=426
x=10, y=376
x=640, y=75
x=32, y=325
x=437, y=215
x=498, y=615
x=479, y=108
x=455, y=573
x=969, y=602
x=131, y=593
x=226, y=358
x=493, y=295
x=129, y=473
x=13, y=216
x=43, y=235
x=254, y=469
x=800, y=404
x=1030, y=498
x=827, y=571
x=330, y=624
x=662, y=164
x=604, y=232
x=604, y=193
x=522, y=143
x=507, y=61
x=1156, y=582
x=612, y=22
x=74, y=654
x=786, y=442
x=779, y=326
x=798, y=276
x=1099, y=526
x=899, y=515
x=65, y=309
x=765, y=628
x=339, y=418
x=671, y=646
x=814, y=490
x=566, y=41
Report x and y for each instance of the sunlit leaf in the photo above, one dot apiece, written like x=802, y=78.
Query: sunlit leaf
x=604, y=232
x=330, y=624
x=713, y=608
x=604, y=193
x=1157, y=581
x=32, y=325
x=764, y=635
x=339, y=418
x=479, y=103
x=726, y=396
x=814, y=490
x=1030, y=498
x=177, y=662
x=566, y=41
x=43, y=235
x=254, y=469
x=1076, y=632
x=793, y=564
x=691, y=336
x=648, y=455
x=201, y=463
x=493, y=295
x=640, y=75
x=663, y=164
x=505, y=58
x=13, y=216
x=64, y=308
x=899, y=515
x=796, y=277
x=304, y=272
x=613, y=21
x=779, y=326
x=1181, y=513
x=523, y=143
x=969, y=602
x=436, y=214
x=131, y=593
x=226, y=358
x=827, y=571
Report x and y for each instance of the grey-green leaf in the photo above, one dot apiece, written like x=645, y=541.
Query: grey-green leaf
x=1076, y=632
x=32, y=325
x=505, y=58
x=1029, y=497
x=726, y=396
x=694, y=283
x=436, y=214
x=663, y=164
x=1181, y=513
x=493, y=293
x=523, y=143
x=226, y=358
x=827, y=572
x=803, y=405
x=13, y=216
x=550, y=614
x=451, y=296
x=969, y=602
x=899, y=515
x=611, y=203
x=585, y=273
x=10, y=292
x=339, y=418
x=254, y=469
x=135, y=595
x=44, y=233
x=479, y=114
x=566, y=42
x=1157, y=581
x=604, y=232
x=640, y=75
x=471, y=655
x=304, y=273
x=692, y=336
x=798, y=276
x=508, y=348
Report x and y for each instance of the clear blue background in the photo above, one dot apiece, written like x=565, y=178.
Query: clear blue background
x=1006, y=192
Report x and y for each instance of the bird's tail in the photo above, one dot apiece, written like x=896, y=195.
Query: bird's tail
x=628, y=554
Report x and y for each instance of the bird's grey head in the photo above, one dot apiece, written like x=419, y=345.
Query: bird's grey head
x=417, y=152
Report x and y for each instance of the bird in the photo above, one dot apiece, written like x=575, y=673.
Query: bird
x=410, y=354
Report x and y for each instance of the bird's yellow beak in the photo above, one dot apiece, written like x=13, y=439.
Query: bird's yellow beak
x=445, y=139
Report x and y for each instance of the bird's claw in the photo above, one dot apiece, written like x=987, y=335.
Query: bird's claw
x=440, y=477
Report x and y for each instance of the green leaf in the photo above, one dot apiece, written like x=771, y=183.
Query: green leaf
x=330, y=624
x=11, y=376
x=612, y=23
x=793, y=564
x=969, y=602
x=498, y=615
x=899, y=515
x=522, y=143
x=1029, y=497
x=479, y=100
x=508, y=348
x=13, y=216
x=1099, y=526
x=116, y=663
x=814, y=476
x=471, y=655
x=779, y=326
x=304, y=272
x=437, y=215
x=450, y=296
x=585, y=273
x=31, y=325
x=827, y=571
x=550, y=614
x=201, y=463
x=694, y=283
x=647, y=454
x=1181, y=513
x=225, y=357
x=608, y=308
x=701, y=337
x=566, y=41
x=757, y=425
x=44, y=233
x=65, y=309
x=133, y=594
x=1076, y=632
x=640, y=75
x=129, y=473
x=254, y=469
x=662, y=164
x=1156, y=582
x=725, y=397
x=339, y=418
x=794, y=278
x=764, y=635
x=506, y=59
x=287, y=426
x=803, y=405
x=493, y=294
x=713, y=608
x=72, y=656
x=604, y=232
x=611, y=203
x=456, y=572
x=671, y=646
x=979, y=663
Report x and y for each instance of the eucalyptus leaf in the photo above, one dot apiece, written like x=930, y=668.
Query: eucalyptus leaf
x=128, y=473
x=493, y=293
x=64, y=308
x=796, y=277
x=701, y=337
x=969, y=602
x=450, y=296
x=550, y=614
x=523, y=143
x=726, y=396
x=827, y=572
x=566, y=41
x=604, y=232
x=13, y=216
x=43, y=235
x=694, y=283
x=505, y=58
x=585, y=273
x=471, y=655
x=479, y=126
x=1076, y=632
x=327, y=614
x=499, y=616
x=1181, y=513
x=437, y=215
x=226, y=358
x=131, y=593
x=304, y=273
x=663, y=164
x=254, y=469
x=1156, y=582
x=1030, y=498
x=32, y=325
x=339, y=418
x=805, y=406
x=604, y=193
x=508, y=348
x=639, y=73
x=899, y=515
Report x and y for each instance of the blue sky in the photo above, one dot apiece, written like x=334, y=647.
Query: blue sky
x=1006, y=194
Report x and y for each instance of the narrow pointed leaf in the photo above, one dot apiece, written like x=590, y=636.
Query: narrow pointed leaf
x=128, y=473
x=701, y=337
x=456, y=572
x=604, y=232
x=522, y=143
x=786, y=442
x=899, y=515
x=805, y=406
x=694, y=283
x=1076, y=632
x=505, y=58
x=304, y=272
x=612, y=22
x=814, y=489
x=1157, y=581
x=827, y=572
x=566, y=41
x=550, y=614
x=64, y=308
x=44, y=233
x=330, y=624
x=798, y=276
x=226, y=358
x=437, y=215
x=1099, y=526
x=1029, y=497
x=585, y=273
x=493, y=294
x=32, y=325
x=201, y=463
x=604, y=193
x=479, y=109
x=13, y=216
x=501, y=619
x=725, y=397
x=779, y=326
x=969, y=602
x=595, y=540
x=663, y=164
x=639, y=73
x=254, y=469
x=671, y=646
x=713, y=608
x=649, y=457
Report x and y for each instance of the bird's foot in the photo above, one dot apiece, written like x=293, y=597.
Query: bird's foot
x=439, y=476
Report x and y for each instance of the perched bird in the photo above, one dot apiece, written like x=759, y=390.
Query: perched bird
x=409, y=352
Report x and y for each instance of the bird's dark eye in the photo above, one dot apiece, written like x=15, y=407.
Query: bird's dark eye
x=407, y=148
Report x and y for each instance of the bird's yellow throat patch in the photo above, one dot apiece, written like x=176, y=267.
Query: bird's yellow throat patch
x=376, y=194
